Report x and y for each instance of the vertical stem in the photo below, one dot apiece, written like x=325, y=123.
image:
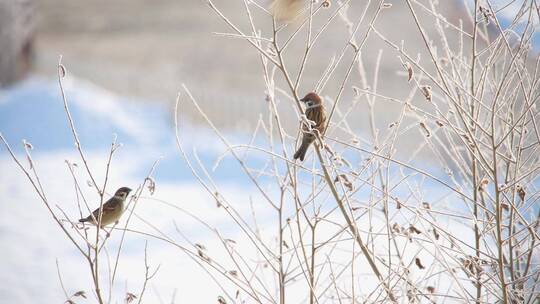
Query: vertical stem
x=473, y=158
x=498, y=213
x=280, y=257
x=312, y=266
x=352, y=227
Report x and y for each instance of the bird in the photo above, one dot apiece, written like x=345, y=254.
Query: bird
x=112, y=209
x=286, y=10
x=316, y=113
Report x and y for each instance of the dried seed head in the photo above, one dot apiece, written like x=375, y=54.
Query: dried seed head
x=425, y=128
x=218, y=199
x=130, y=297
x=80, y=293
x=200, y=246
x=326, y=4
x=411, y=296
x=483, y=184
x=61, y=71
x=27, y=145
x=345, y=181
x=521, y=192
x=426, y=90
x=435, y=233
x=203, y=256
x=486, y=13
x=151, y=185
x=410, y=71
x=396, y=228
x=398, y=203
x=414, y=229
x=419, y=263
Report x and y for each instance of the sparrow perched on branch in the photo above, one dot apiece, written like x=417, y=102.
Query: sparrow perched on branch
x=112, y=209
x=314, y=112
x=286, y=10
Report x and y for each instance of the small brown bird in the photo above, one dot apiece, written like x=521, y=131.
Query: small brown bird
x=316, y=113
x=112, y=209
x=286, y=10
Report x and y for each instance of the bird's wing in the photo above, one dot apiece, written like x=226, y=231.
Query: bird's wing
x=109, y=205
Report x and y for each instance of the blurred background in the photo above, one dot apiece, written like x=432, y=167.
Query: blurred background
x=147, y=49
x=126, y=62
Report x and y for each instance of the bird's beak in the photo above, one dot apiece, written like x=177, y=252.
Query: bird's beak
x=303, y=100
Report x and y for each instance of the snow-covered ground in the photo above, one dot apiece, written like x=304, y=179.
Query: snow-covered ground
x=33, y=110
x=33, y=244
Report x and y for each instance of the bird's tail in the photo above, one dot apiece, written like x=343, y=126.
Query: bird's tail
x=84, y=220
x=301, y=152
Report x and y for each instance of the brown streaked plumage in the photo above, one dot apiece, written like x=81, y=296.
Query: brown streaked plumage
x=112, y=209
x=316, y=113
x=286, y=10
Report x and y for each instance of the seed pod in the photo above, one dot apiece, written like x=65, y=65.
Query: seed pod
x=419, y=263
x=426, y=90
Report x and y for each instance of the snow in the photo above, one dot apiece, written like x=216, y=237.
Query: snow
x=33, y=110
x=33, y=243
